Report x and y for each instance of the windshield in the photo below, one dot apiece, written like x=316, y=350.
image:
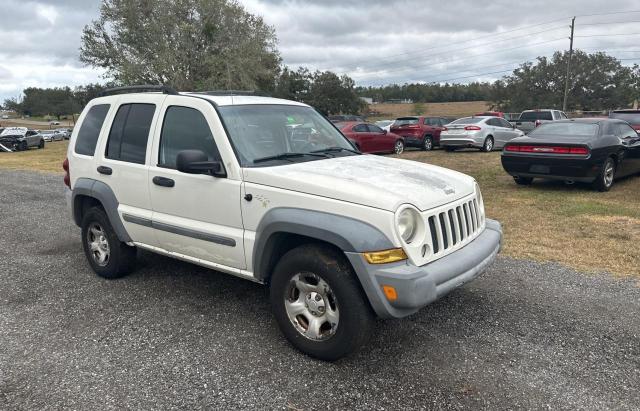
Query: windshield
x=629, y=117
x=468, y=120
x=261, y=131
x=535, y=115
x=565, y=129
x=405, y=121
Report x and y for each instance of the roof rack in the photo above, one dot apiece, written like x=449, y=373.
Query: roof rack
x=137, y=89
x=233, y=93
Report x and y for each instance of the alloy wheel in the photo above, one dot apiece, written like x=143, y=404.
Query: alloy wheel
x=399, y=147
x=98, y=244
x=312, y=307
x=609, y=171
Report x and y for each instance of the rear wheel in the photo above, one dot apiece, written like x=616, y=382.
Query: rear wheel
x=398, y=148
x=523, y=181
x=108, y=256
x=488, y=144
x=427, y=143
x=604, y=181
x=318, y=303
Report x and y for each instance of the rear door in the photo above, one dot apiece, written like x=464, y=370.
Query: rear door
x=122, y=161
x=195, y=215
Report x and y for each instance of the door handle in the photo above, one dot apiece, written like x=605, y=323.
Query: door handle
x=105, y=170
x=163, y=181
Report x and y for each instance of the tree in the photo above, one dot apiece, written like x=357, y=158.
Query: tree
x=188, y=44
x=57, y=101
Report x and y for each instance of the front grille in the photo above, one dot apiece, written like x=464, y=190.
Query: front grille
x=448, y=228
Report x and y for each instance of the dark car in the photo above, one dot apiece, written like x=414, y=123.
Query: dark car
x=422, y=132
x=580, y=150
x=630, y=116
x=370, y=138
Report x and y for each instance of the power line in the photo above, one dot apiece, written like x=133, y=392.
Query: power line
x=609, y=22
x=610, y=35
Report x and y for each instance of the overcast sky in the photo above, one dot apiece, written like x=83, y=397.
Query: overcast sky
x=374, y=41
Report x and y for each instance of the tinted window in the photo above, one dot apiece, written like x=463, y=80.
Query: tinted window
x=566, y=129
x=130, y=132
x=90, y=129
x=375, y=129
x=623, y=130
x=535, y=115
x=629, y=116
x=185, y=129
x=403, y=121
x=360, y=128
x=504, y=123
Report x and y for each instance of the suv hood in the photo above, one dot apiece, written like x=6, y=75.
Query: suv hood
x=380, y=182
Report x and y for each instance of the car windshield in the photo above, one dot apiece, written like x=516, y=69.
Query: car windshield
x=571, y=129
x=405, y=121
x=629, y=117
x=535, y=115
x=468, y=120
x=264, y=135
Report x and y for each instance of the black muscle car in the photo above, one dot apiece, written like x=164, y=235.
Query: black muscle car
x=593, y=151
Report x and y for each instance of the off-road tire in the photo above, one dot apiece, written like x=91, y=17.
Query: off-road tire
x=122, y=257
x=356, y=318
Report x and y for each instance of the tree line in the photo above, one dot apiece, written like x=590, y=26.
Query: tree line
x=200, y=45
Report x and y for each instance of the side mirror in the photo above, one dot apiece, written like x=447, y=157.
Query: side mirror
x=197, y=162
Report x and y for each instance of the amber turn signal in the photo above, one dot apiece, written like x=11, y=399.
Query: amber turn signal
x=390, y=292
x=385, y=256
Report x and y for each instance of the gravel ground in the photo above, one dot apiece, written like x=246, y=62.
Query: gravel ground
x=174, y=335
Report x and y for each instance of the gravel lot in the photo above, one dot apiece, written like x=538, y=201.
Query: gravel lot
x=525, y=335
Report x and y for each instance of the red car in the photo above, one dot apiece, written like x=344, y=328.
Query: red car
x=370, y=138
x=422, y=132
x=490, y=114
x=630, y=116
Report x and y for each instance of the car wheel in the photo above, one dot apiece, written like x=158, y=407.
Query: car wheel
x=488, y=144
x=41, y=144
x=398, y=148
x=23, y=146
x=604, y=181
x=319, y=304
x=108, y=256
x=427, y=143
x=523, y=181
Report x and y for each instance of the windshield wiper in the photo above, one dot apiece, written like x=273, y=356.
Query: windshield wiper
x=335, y=149
x=285, y=156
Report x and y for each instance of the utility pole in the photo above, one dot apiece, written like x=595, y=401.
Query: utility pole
x=566, y=80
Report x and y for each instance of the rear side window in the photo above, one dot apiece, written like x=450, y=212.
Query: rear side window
x=90, y=130
x=185, y=129
x=361, y=128
x=130, y=132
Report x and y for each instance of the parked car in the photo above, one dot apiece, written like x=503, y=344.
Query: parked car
x=385, y=124
x=421, y=131
x=51, y=135
x=339, y=237
x=20, y=138
x=54, y=123
x=490, y=114
x=530, y=119
x=485, y=133
x=630, y=116
x=369, y=138
x=580, y=150
x=66, y=132
x=344, y=117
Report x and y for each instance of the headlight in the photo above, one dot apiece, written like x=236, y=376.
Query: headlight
x=407, y=224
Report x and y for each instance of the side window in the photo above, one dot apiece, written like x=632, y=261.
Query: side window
x=624, y=130
x=493, y=122
x=504, y=123
x=360, y=128
x=90, y=130
x=562, y=115
x=130, y=132
x=374, y=128
x=185, y=129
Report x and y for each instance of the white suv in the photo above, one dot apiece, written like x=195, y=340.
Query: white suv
x=269, y=190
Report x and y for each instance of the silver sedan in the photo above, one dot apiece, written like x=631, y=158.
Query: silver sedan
x=485, y=133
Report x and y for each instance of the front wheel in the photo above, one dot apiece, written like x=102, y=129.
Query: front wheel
x=427, y=143
x=488, y=144
x=41, y=144
x=318, y=303
x=604, y=181
x=398, y=148
x=523, y=181
x=23, y=146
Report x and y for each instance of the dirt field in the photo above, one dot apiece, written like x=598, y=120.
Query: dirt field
x=35, y=124
x=460, y=109
x=548, y=221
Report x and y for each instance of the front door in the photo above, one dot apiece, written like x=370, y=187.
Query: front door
x=379, y=139
x=364, y=138
x=194, y=215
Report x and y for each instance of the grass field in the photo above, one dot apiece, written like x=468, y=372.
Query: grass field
x=547, y=221
x=459, y=109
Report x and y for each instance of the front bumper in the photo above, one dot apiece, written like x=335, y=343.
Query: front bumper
x=419, y=286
